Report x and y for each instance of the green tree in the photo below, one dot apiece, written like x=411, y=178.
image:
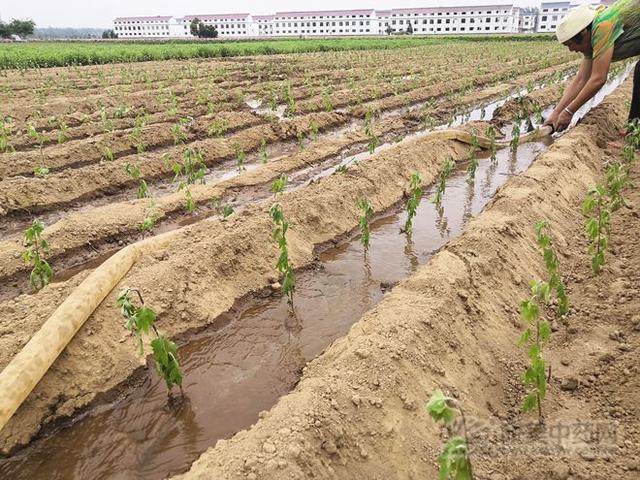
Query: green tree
x=195, y=26
x=21, y=27
x=410, y=28
x=208, y=31
x=109, y=34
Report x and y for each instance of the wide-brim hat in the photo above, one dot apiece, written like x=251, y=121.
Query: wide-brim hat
x=576, y=20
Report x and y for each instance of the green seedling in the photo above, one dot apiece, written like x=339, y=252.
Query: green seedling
x=137, y=140
x=107, y=153
x=278, y=185
x=473, y=160
x=429, y=122
x=366, y=212
x=535, y=336
x=415, y=190
x=122, y=111
x=226, y=211
x=134, y=172
x=287, y=95
x=543, y=238
x=36, y=246
x=530, y=86
x=62, y=132
x=218, y=128
x=166, y=160
x=193, y=167
x=342, y=168
x=372, y=140
x=107, y=124
x=300, y=137
x=141, y=321
x=179, y=133
x=616, y=176
x=491, y=135
x=537, y=111
x=190, y=203
x=326, y=102
x=447, y=169
x=315, y=130
x=149, y=221
x=263, y=151
x=455, y=459
x=6, y=129
x=633, y=134
x=240, y=156
x=284, y=266
x=38, y=137
x=40, y=171
x=597, y=209
x=515, y=136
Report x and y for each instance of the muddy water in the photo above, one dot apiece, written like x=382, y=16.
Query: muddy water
x=243, y=368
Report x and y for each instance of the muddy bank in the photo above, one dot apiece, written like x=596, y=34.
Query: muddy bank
x=359, y=410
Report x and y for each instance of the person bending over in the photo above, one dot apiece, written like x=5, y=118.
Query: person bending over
x=602, y=35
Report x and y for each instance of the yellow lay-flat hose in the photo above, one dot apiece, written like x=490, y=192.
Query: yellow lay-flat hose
x=26, y=369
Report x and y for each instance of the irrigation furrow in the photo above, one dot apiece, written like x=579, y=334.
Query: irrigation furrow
x=319, y=214
x=72, y=251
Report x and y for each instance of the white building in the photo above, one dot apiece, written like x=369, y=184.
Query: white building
x=474, y=20
x=451, y=20
x=228, y=24
x=526, y=19
x=550, y=15
x=322, y=23
x=144, y=27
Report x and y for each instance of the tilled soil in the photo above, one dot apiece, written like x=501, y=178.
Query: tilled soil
x=199, y=276
x=75, y=240
x=358, y=411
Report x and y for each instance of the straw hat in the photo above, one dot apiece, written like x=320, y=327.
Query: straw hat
x=576, y=20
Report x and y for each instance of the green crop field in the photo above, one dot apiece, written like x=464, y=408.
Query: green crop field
x=59, y=54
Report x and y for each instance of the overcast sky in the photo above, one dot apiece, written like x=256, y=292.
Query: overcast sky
x=83, y=13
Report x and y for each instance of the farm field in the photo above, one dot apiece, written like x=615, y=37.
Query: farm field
x=195, y=178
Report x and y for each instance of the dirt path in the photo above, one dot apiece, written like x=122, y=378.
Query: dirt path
x=359, y=410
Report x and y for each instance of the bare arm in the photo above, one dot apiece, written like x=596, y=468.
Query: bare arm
x=597, y=79
x=574, y=88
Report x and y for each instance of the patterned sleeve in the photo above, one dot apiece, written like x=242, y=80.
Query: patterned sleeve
x=604, y=35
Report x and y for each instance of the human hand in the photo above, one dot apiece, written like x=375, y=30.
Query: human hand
x=563, y=121
x=551, y=119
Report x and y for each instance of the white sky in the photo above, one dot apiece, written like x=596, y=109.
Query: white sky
x=83, y=13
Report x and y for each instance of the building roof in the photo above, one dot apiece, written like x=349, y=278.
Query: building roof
x=145, y=19
x=325, y=13
x=451, y=9
x=264, y=17
x=222, y=16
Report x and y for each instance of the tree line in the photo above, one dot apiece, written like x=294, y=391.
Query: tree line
x=21, y=28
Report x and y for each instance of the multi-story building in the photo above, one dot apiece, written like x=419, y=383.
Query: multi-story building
x=550, y=15
x=144, y=27
x=526, y=19
x=493, y=19
x=228, y=24
x=450, y=20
